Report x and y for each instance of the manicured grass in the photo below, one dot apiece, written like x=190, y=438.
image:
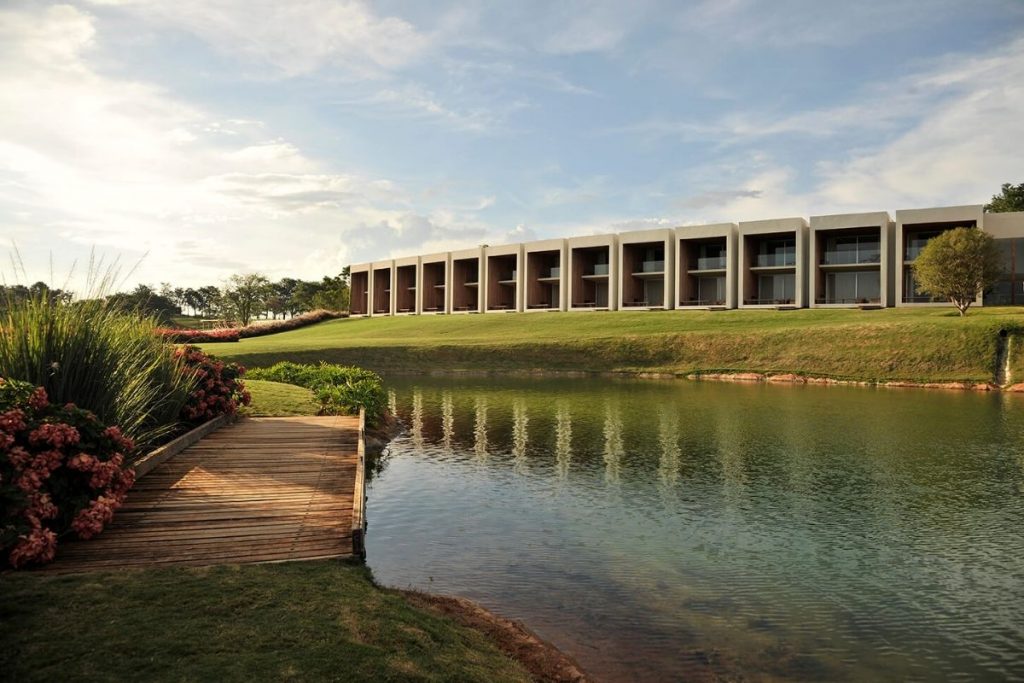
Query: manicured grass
x=295, y=621
x=924, y=344
x=274, y=399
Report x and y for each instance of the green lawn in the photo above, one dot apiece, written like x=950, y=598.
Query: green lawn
x=923, y=344
x=274, y=399
x=294, y=621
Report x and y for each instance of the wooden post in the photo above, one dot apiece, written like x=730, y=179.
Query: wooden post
x=359, y=495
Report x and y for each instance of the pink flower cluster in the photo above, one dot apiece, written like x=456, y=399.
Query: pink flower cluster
x=219, y=389
x=67, y=469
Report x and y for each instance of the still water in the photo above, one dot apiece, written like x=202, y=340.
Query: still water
x=678, y=530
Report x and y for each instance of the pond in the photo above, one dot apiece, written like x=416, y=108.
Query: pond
x=682, y=530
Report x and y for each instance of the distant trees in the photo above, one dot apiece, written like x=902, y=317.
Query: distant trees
x=246, y=295
x=958, y=265
x=242, y=298
x=1010, y=198
x=145, y=300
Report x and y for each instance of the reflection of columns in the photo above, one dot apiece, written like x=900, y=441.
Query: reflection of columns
x=417, y=420
x=668, y=439
x=447, y=421
x=613, y=449
x=520, y=436
x=392, y=402
x=563, y=440
x=480, y=428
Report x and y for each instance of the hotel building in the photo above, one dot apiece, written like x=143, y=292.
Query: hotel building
x=861, y=260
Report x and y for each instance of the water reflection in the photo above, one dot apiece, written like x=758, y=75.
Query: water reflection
x=563, y=440
x=659, y=531
x=613, y=448
x=416, y=420
x=447, y=421
x=668, y=460
x=520, y=434
x=480, y=427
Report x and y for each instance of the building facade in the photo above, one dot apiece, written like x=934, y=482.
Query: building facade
x=859, y=260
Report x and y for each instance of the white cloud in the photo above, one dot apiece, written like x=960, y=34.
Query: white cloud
x=295, y=37
x=87, y=160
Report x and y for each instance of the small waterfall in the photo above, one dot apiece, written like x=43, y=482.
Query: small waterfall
x=1002, y=374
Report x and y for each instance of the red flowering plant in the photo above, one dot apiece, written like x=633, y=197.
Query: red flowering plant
x=62, y=473
x=219, y=389
x=188, y=336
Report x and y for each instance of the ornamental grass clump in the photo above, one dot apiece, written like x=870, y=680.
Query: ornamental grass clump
x=339, y=389
x=63, y=473
x=100, y=358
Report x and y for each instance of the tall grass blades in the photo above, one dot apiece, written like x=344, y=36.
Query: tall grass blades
x=102, y=359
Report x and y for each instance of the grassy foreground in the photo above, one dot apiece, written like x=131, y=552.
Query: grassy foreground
x=932, y=344
x=294, y=621
x=274, y=399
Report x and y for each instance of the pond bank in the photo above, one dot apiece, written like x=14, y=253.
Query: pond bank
x=752, y=377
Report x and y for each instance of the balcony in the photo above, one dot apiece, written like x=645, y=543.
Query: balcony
x=854, y=257
x=652, y=267
x=599, y=269
x=711, y=263
x=551, y=274
x=776, y=260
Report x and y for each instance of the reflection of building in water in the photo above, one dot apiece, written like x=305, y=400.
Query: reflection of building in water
x=613, y=450
x=417, y=420
x=392, y=402
x=668, y=440
x=480, y=428
x=520, y=435
x=447, y=421
x=728, y=434
x=563, y=440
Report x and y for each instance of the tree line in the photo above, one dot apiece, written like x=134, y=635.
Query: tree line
x=242, y=298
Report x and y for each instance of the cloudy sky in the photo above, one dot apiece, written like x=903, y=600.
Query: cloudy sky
x=197, y=138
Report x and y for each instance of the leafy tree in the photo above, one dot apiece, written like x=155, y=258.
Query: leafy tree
x=958, y=265
x=144, y=300
x=1011, y=198
x=245, y=295
x=209, y=299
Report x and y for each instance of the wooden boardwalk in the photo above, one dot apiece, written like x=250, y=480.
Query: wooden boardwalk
x=260, y=490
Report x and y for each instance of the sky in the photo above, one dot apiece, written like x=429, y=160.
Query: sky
x=187, y=140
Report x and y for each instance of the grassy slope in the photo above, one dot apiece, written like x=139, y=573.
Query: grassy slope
x=274, y=399
x=295, y=621
x=922, y=344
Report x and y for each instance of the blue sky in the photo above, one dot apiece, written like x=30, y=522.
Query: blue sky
x=192, y=139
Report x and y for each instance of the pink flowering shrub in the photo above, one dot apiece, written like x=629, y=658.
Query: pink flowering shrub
x=219, y=388
x=62, y=474
x=187, y=336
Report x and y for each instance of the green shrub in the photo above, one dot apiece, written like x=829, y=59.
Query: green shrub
x=339, y=389
x=98, y=357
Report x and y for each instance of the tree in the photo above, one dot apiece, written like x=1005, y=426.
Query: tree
x=245, y=295
x=958, y=265
x=145, y=301
x=1011, y=198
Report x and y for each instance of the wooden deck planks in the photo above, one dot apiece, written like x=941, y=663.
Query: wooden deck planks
x=261, y=490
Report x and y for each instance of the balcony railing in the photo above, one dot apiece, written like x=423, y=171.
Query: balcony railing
x=913, y=251
x=599, y=269
x=768, y=302
x=703, y=302
x=652, y=267
x=552, y=273
x=711, y=263
x=777, y=259
x=860, y=300
x=845, y=258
